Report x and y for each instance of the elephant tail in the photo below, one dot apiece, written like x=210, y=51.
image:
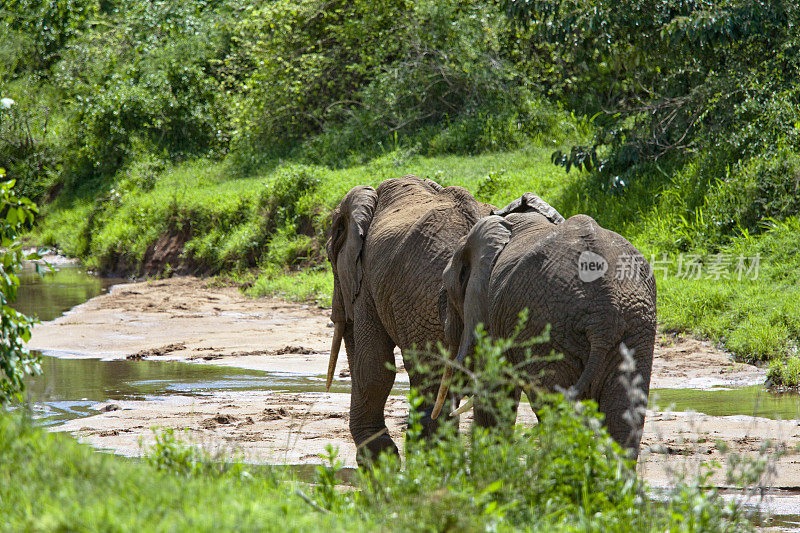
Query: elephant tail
x=601, y=344
x=596, y=354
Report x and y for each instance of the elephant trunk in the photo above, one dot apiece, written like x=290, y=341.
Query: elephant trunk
x=338, y=333
x=467, y=278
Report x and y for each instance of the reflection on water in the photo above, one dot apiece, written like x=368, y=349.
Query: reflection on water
x=68, y=388
x=47, y=293
x=752, y=401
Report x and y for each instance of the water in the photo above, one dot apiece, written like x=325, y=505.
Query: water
x=49, y=293
x=751, y=401
x=70, y=388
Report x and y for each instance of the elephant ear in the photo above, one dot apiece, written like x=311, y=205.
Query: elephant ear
x=530, y=203
x=466, y=282
x=483, y=245
x=351, y=221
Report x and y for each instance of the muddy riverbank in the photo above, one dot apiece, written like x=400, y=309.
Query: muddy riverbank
x=188, y=319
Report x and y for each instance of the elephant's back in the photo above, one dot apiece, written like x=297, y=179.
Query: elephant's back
x=407, y=247
x=572, y=278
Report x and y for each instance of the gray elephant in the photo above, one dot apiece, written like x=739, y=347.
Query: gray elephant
x=388, y=247
x=590, y=284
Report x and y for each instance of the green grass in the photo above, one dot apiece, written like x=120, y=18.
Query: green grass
x=305, y=285
x=48, y=482
x=785, y=373
x=755, y=320
x=275, y=219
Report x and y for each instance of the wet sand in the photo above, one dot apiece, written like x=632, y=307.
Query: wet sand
x=189, y=319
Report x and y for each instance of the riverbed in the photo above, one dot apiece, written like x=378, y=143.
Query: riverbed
x=246, y=376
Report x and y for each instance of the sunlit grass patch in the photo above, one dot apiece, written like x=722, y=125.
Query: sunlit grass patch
x=311, y=285
x=49, y=482
x=755, y=320
x=269, y=226
x=236, y=222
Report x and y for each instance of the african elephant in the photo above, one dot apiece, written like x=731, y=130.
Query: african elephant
x=388, y=247
x=590, y=284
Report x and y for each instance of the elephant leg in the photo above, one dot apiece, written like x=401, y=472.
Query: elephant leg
x=623, y=405
x=498, y=408
x=372, y=382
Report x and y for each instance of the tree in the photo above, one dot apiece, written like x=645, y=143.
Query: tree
x=662, y=77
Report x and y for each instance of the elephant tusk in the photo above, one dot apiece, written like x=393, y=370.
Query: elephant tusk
x=338, y=333
x=464, y=408
x=442, y=396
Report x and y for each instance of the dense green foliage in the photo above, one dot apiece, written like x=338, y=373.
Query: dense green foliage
x=98, y=84
x=698, y=98
x=16, y=214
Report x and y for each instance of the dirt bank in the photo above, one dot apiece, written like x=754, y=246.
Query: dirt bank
x=188, y=319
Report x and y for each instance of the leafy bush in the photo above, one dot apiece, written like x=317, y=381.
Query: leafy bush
x=565, y=473
x=766, y=188
x=147, y=82
x=171, y=454
x=16, y=214
x=665, y=76
x=784, y=373
x=386, y=70
x=24, y=148
x=491, y=185
x=50, y=25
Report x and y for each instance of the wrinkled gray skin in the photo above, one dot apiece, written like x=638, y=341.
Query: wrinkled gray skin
x=528, y=258
x=388, y=247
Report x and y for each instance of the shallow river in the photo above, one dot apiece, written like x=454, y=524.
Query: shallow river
x=68, y=387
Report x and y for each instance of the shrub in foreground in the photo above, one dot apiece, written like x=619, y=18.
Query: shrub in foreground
x=48, y=482
x=16, y=214
x=563, y=474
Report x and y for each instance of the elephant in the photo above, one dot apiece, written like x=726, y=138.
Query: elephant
x=388, y=247
x=594, y=289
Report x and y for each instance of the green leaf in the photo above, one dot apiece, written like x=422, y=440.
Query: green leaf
x=493, y=487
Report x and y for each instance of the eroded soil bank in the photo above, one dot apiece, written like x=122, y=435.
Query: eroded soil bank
x=189, y=320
